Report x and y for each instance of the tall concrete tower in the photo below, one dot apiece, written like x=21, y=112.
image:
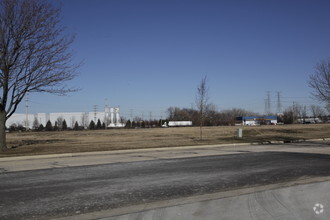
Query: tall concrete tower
x=112, y=124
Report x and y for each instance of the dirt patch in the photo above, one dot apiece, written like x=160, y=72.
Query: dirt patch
x=32, y=143
x=35, y=142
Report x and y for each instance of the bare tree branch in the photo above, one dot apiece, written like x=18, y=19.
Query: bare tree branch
x=34, y=52
x=201, y=102
x=320, y=81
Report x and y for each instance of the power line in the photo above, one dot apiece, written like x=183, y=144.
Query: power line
x=291, y=97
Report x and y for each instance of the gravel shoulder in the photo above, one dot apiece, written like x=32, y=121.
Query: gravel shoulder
x=56, y=142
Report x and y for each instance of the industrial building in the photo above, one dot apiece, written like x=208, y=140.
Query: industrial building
x=110, y=117
x=257, y=120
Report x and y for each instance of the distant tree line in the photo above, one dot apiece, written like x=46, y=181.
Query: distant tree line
x=61, y=125
x=212, y=117
x=302, y=114
x=293, y=114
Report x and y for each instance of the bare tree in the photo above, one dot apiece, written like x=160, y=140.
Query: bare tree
x=288, y=116
x=298, y=112
x=59, y=121
x=327, y=107
x=72, y=121
x=34, y=54
x=320, y=81
x=304, y=113
x=84, y=120
x=201, y=102
x=317, y=112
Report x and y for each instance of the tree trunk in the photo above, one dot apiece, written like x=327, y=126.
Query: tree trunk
x=3, y=145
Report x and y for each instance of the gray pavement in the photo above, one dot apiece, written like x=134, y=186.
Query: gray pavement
x=11, y=164
x=98, y=191
x=303, y=202
x=211, y=182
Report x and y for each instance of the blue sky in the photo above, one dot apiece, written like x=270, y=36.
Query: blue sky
x=146, y=56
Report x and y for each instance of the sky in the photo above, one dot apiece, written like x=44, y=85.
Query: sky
x=147, y=55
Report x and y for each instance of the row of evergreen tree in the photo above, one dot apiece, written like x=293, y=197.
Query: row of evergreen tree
x=96, y=126
x=49, y=126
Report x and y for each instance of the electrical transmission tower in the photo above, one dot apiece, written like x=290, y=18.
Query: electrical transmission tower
x=267, y=104
x=279, y=105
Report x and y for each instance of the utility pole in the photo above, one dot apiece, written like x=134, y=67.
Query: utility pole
x=131, y=116
x=293, y=106
x=106, y=102
x=106, y=113
x=95, y=110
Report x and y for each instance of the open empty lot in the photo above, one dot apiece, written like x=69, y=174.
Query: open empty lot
x=33, y=143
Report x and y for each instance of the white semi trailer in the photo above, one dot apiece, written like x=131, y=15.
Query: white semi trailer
x=179, y=123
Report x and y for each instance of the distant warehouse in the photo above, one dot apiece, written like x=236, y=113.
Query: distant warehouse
x=257, y=120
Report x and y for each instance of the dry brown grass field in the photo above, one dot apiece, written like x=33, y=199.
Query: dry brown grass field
x=35, y=143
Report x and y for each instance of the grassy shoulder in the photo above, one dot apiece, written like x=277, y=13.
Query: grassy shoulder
x=38, y=143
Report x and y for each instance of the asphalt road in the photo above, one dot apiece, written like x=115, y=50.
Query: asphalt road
x=59, y=192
